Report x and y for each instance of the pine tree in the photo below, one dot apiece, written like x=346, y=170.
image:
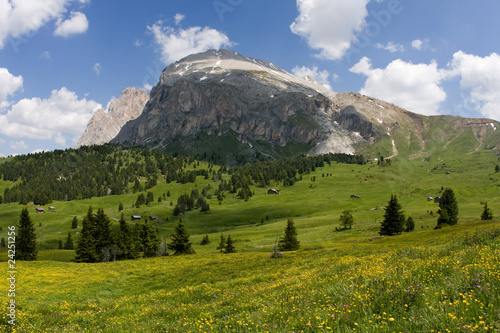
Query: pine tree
x=149, y=239
x=102, y=235
x=86, y=248
x=26, y=238
x=346, y=219
x=487, y=214
x=410, y=224
x=448, y=209
x=2, y=242
x=141, y=200
x=125, y=241
x=74, y=223
x=60, y=245
x=394, y=219
x=69, y=242
x=180, y=240
x=222, y=243
x=150, y=198
x=205, y=240
x=289, y=242
x=120, y=207
x=230, y=248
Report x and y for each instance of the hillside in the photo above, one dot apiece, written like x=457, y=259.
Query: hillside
x=338, y=280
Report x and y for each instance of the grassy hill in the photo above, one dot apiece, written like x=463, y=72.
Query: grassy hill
x=420, y=281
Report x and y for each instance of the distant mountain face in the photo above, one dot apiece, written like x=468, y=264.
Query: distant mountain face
x=104, y=126
x=220, y=102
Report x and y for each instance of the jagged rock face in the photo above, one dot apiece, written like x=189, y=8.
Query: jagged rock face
x=104, y=126
x=219, y=92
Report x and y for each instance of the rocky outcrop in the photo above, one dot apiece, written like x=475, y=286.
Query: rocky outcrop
x=105, y=125
x=220, y=93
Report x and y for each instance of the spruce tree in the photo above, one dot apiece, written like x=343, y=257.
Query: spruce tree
x=26, y=238
x=394, y=219
x=74, y=223
x=86, y=248
x=60, y=245
x=230, y=248
x=289, y=242
x=448, y=209
x=2, y=242
x=125, y=241
x=410, y=224
x=102, y=234
x=120, y=207
x=222, y=243
x=205, y=240
x=180, y=240
x=149, y=239
x=487, y=214
x=69, y=242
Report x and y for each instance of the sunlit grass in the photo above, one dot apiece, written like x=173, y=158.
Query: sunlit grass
x=408, y=283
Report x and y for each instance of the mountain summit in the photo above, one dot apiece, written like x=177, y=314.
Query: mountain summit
x=223, y=104
x=105, y=125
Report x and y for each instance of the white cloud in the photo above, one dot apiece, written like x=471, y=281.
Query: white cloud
x=9, y=84
x=18, y=18
x=18, y=145
x=179, y=18
x=330, y=26
x=55, y=118
x=97, y=69
x=46, y=55
x=147, y=87
x=480, y=78
x=76, y=24
x=321, y=77
x=415, y=87
x=419, y=44
x=137, y=43
x=175, y=44
x=391, y=47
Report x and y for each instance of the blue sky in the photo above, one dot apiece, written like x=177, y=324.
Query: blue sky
x=60, y=60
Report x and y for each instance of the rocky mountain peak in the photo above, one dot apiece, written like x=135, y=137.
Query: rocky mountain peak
x=105, y=125
x=218, y=66
x=237, y=109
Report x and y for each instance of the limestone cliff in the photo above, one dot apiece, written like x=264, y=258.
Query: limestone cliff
x=105, y=125
x=222, y=103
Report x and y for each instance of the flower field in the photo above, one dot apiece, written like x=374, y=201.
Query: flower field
x=408, y=283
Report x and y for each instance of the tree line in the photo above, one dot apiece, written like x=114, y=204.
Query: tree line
x=96, y=171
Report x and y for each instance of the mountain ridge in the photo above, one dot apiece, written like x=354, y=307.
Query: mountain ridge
x=224, y=103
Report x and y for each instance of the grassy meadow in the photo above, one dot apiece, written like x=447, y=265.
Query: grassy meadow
x=445, y=280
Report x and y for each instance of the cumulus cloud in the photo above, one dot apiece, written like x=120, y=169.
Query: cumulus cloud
x=9, y=84
x=178, y=18
x=415, y=87
x=76, y=24
x=320, y=76
x=176, y=43
x=56, y=118
x=480, y=80
x=18, y=145
x=419, y=44
x=18, y=18
x=391, y=47
x=330, y=26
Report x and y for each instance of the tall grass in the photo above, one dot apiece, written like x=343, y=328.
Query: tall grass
x=390, y=285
